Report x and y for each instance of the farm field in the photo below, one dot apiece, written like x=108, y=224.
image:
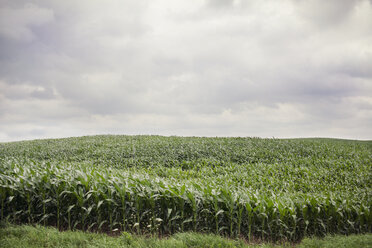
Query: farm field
x=253, y=188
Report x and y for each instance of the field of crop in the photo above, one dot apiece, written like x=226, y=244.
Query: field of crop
x=268, y=189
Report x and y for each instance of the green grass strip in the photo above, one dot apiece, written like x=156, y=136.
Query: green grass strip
x=26, y=236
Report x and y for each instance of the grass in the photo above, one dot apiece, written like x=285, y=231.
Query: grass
x=339, y=241
x=35, y=237
x=28, y=236
x=267, y=189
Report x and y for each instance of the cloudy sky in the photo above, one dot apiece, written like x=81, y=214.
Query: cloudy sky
x=291, y=68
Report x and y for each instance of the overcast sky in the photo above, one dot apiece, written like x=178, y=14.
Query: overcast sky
x=292, y=68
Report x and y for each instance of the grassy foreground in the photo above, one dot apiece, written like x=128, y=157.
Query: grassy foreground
x=267, y=189
x=35, y=237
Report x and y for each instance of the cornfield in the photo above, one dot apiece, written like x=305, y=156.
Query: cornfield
x=270, y=189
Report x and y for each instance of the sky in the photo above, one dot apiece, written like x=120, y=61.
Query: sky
x=283, y=69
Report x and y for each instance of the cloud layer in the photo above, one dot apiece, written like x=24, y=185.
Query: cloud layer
x=207, y=68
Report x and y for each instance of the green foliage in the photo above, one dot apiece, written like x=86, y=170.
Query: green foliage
x=266, y=189
x=29, y=237
x=35, y=237
x=338, y=241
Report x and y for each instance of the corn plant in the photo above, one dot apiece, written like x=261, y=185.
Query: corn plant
x=256, y=188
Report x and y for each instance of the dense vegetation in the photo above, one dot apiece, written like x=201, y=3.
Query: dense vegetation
x=269, y=189
x=26, y=236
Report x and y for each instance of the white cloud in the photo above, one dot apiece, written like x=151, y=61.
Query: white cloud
x=257, y=68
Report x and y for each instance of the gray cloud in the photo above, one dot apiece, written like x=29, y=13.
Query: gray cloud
x=257, y=68
x=329, y=13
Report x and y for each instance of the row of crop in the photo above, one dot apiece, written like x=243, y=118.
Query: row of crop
x=91, y=199
x=142, y=150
